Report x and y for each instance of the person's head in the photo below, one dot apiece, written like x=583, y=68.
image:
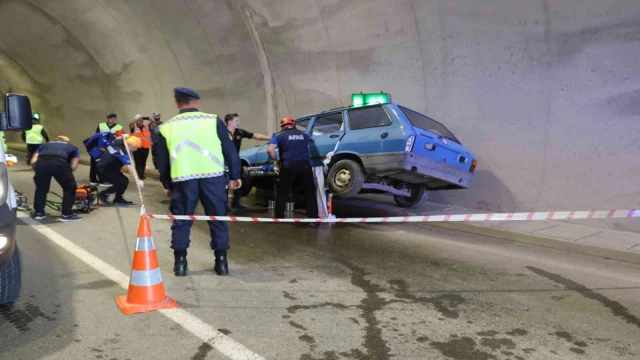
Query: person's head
x=186, y=98
x=62, y=138
x=133, y=142
x=139, y=120
x=232, y=121
x=156, y=116
x=287, y=122
x=112, y=119
x=34, y=120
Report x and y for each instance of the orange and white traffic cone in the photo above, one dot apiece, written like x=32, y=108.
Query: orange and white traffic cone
x=146, y=290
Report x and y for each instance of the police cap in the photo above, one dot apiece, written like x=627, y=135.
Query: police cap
x=182, y=92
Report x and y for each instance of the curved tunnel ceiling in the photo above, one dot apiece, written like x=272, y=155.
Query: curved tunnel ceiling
x=531, y=87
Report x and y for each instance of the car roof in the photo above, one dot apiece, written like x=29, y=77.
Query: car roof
x=342, y=109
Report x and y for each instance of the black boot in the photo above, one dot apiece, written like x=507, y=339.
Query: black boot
x=221, y=267
x=180, y=265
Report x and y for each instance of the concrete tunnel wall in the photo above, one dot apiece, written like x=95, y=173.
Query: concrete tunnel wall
x=545, y=93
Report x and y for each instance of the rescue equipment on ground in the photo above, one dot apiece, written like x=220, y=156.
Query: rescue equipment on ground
x=86, y=199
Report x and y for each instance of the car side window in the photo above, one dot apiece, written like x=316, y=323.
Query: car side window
x=302, y=124
x=368, y=118
x=327, y=124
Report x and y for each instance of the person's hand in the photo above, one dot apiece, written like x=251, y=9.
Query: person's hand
x=235, y=184
x=167, y=193
x=102, y=149
x=140, y=184
x=277, y=163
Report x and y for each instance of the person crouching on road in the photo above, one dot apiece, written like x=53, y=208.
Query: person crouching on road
x=57, y=159
x=109, y=165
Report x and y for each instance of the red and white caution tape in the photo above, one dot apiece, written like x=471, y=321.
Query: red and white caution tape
x=527, y=216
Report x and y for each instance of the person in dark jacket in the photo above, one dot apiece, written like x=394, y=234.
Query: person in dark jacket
x=295, y=166
x=57, y=159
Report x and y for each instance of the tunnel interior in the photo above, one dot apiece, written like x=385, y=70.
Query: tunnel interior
x=544, y=93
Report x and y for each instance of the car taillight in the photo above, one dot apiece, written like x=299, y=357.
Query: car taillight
x=473, y=166
x=408, y=145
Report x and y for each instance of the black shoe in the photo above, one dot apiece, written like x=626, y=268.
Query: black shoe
x=239, y=207
x=72, y=217
x=180, y=266
x=221, y=267
x=122, y=201
x=39, y=216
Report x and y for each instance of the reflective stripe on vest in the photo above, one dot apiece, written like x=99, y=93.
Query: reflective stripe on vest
x=144, y=135
x=104, y=128
x=192, y=141
x=34, y=136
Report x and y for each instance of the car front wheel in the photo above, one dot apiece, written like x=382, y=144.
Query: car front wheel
x=11, y=278
x=419, y=194
x=346, y=178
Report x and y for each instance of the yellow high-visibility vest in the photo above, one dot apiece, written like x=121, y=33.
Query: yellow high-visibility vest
x=194, y=147
x=34, y=136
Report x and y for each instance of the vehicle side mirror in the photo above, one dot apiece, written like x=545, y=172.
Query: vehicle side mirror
x=17, y=115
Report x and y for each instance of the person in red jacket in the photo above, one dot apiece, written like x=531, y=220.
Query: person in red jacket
x=141, y=130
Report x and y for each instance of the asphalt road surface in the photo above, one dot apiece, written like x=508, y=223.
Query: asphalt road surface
x=361, y=291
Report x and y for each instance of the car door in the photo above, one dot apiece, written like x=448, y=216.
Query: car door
x=372, y=131
x=262, y=157
x=325, y=132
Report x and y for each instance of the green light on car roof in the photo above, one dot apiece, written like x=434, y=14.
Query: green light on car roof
x=369, y=99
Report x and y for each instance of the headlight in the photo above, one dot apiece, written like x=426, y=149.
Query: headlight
x=408, y=145
x=4, y=183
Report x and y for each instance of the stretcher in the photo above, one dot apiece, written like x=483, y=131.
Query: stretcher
x=86, y=199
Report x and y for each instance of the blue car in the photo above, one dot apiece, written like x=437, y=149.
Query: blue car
x=383, y=148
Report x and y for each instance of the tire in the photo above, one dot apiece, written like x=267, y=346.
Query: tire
x=247, y=185
x=11, y=278
x=419, y=194
x=345, y=178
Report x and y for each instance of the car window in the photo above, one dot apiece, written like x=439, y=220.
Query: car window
x=302, y=124
x=327, y=124
x=418, y=120
x=368, y=118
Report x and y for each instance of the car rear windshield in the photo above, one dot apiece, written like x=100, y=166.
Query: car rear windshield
x=418, y=120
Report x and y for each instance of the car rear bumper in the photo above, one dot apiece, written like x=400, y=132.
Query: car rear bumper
x=8, y=229
x=416, y=169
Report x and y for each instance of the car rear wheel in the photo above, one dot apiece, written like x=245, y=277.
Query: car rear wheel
x=346, y=178
x=11, y=278
x=419, y=194
x=247, y=184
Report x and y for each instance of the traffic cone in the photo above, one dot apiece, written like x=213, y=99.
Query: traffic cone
x=146, y=290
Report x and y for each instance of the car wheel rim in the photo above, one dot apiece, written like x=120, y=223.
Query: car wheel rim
x=342, y=178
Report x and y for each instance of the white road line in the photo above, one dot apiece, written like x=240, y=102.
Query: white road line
x=220, y=342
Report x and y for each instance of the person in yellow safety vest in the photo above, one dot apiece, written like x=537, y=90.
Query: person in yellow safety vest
x=4, y=142
x=111, y=125
x=192, y=150
x=141, y=131
x=34, y=138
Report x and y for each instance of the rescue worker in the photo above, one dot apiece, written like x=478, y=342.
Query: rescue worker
x=34, y=138
x=193, y=148
x=153, y=124
x=237, y=134
x=141, y=131
x=96, y=144
x=4, y=142
x=110, y=126
x=109, y=165
x=57, y=159
x=295, y=166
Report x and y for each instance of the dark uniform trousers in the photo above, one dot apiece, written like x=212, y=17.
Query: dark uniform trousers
x=31, y=149
x=46, y=168
x=185, y=195
x=140, y=157
x=118, y=181
x=93, y=172
x=289, y=176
